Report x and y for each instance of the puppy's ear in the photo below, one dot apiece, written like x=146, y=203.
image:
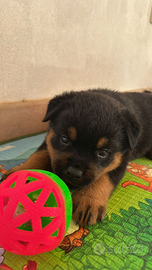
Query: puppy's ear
x=53, y=107
x=57, y=104
x=132, y=128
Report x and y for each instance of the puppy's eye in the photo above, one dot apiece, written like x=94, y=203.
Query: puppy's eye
x=64, y=140
x=102, y=153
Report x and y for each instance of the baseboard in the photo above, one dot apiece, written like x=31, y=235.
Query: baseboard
x=22, y=118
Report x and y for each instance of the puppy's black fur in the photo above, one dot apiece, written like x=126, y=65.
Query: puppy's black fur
x=91, y=137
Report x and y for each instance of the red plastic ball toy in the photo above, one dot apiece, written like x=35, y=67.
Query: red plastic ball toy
x=35, y=212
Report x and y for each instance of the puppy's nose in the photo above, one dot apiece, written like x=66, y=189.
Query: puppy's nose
x=74, y=173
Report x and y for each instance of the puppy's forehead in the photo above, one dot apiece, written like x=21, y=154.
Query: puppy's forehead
x=92, y=125
x=74, y=135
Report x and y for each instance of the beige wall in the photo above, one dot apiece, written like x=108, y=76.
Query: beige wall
x=47, y=46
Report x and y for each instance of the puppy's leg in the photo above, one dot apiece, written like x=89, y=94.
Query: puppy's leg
x=90, y=203
x=39, y=160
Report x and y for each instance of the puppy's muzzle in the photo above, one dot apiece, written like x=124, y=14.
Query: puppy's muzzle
x=74, y=174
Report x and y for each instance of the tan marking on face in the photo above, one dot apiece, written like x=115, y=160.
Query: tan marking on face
x=54, y=154
x=102, y=142
x=95, y=174
x=72, y=133
x=50, y=135
x=112, y=166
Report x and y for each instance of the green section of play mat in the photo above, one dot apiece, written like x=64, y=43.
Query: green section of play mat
x=123, y=240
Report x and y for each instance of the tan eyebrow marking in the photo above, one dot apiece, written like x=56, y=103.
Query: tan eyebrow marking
x=115, y=163
x=72, y=133
x=102, y=142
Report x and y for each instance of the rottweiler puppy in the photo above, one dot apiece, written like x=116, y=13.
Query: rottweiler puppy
x=91, y=137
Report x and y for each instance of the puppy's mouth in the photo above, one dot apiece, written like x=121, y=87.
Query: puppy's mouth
x=72, y=187
x=75, y=184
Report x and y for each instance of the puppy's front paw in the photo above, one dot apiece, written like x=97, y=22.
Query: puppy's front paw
x=90, y=203
x=88, y=210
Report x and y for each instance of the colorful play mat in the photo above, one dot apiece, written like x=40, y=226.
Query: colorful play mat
x=123, y=241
